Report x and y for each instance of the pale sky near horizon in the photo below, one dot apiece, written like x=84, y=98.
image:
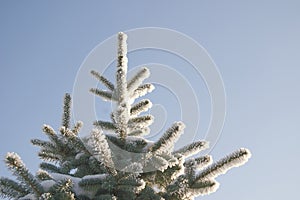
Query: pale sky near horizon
x=255, y=45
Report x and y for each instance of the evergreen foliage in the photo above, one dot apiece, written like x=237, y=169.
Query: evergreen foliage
x=119, y=166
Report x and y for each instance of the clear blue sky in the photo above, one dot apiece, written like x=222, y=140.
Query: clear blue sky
x=254, y=43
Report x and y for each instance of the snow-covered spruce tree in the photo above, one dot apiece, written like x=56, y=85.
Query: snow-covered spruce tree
x=122, y=165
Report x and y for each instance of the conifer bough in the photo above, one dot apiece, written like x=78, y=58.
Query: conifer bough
x=96, y=167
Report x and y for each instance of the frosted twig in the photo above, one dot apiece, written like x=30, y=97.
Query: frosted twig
x=15, y=164
x=234, y=159
x=67, y=111
x=142, y=90
x=103, y=80
x=101, y=150
x=107, y=96
x=106, y=125
x=169, y=138
x=138, y=79
x=140, y=107
x=192, y=148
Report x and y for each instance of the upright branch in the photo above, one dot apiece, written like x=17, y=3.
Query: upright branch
x=123, y=110
x=67, y=111
x=126, y=119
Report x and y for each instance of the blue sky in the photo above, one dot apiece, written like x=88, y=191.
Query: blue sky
x=255, y=45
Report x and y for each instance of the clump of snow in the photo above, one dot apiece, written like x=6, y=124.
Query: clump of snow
x=78, y=156
x=75, y=180
x=73, y=171
x=28, y=197
x=47, y=184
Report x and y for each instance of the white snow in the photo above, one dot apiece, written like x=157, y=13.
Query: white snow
x=73, y=171
x=77, y=189
x=96, y=176
x=47, y=184
x=77, y=157
x=28, y=197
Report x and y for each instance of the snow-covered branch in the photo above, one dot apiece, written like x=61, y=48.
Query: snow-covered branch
x=192, y=148
x=101, y=150
x=234, y=159
x=166, y=142
x=16, y=165
x=67, y=111
x=103, y=80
